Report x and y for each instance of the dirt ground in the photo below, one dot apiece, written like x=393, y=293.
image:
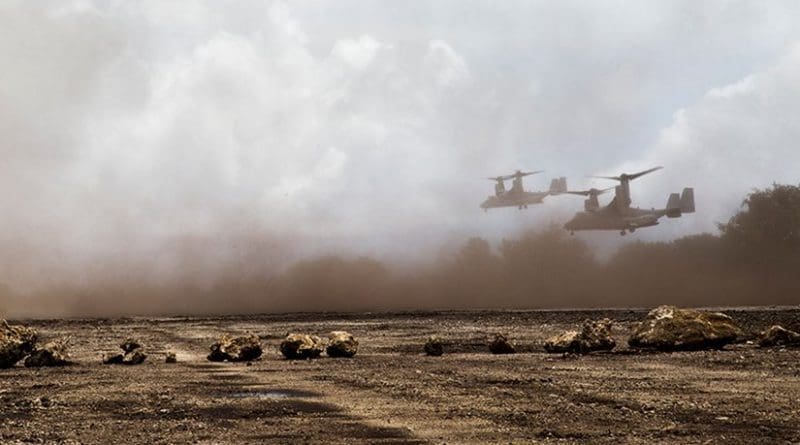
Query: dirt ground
x=390, y=393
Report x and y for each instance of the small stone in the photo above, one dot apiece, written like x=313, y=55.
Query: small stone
x=778, y=336
x=171, y=358
x=236, y=349
x=594, y=336
x=434, y=346
x=301, y=346
x=132, y=354
x=135, y=357
x=500, y=345
x=112, y=359
x=341, y=344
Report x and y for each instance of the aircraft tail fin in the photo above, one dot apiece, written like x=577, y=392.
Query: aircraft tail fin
x=687, y=200
x=674, y=206
x=558, y=186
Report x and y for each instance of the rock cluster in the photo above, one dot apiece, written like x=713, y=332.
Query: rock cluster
x=301, y=346
x=15, y=343
x=434, y=346
x=778, y=336
x=236, y=349
x=670, y=328
x=132, y=354
x=499, y=344
x=595, y=336
x=341, y=344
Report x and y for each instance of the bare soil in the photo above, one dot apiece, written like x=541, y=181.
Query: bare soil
x=390, y=393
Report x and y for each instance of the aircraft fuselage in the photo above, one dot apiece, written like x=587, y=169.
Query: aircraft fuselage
x=611, y=219
x=514, y=199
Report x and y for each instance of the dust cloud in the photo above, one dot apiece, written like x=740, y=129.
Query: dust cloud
x=753, y=262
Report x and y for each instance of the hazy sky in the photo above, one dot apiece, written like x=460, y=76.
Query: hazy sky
x=146, y=132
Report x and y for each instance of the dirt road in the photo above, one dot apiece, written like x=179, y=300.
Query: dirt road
x=392, y=394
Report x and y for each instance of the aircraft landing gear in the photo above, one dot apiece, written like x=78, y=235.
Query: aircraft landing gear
x=622, y=232
x=520, y=207
x=572, y=232
x=526, y=206
x=632, y=229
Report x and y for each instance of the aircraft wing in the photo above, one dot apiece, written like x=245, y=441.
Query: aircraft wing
x=643, y=220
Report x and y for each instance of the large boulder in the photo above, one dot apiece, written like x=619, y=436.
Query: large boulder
x=669, y=328
x=499, y=344
x=53, y=353
x=595, y=336
x=778, y=336
x=301, y=346
x=341, y=344
x=236, y=349
x=434, y=346
x=132, y=354
x=15, y=343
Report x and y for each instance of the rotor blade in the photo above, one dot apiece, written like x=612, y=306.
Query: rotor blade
x=496, y=178
x=642, y=173
x=521, y=174
x=615, y=178
x=628, y=177
x=589, y=192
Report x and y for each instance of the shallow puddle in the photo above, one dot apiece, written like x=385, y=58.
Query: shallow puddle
x=272, y=394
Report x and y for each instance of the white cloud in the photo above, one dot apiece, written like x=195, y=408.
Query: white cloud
x=353, y=126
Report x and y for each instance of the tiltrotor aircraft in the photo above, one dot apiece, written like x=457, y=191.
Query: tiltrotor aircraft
x=517, y=196
x=619, y=215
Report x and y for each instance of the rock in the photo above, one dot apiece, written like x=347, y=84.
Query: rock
x=235, y=349
x=132, y=354
x=595, y=336
x=778, y=336
x=567, y=342
x=301, y=346
x=341, y=344
x=112, y=359
x=134, y=357
x=434, y=346
x=500, y=345
x=669, y=328
x=171, y=358
x=15, y=343
x=51, y=354
x=130, y=345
